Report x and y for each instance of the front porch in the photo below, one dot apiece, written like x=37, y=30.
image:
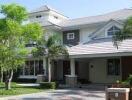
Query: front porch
x=104, y=70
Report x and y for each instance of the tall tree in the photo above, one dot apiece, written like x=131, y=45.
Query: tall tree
x=13, y=37
x=125, y=33
x=50, y=49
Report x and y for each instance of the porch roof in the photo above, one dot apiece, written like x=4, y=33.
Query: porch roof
x=101, y=48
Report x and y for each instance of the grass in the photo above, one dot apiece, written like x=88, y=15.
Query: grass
x=16, y=90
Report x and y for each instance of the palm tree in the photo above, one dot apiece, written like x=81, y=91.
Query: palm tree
x=125, y=33
x=50, y=48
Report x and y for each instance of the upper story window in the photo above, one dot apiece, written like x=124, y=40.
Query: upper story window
x=55, y=17
x=38, y=16
x=113, y=30
x=70, y=36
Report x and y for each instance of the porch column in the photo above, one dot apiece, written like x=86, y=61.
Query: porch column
x=72, y=67
x=44, y=66
x=71, y=80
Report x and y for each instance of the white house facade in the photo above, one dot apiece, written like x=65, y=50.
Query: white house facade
x=92, y=55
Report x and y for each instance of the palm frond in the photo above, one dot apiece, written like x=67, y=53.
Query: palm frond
x=125, y=33
x=58, y=50
x=53, y=40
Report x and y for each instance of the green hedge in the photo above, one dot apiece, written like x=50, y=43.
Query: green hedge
x=48, y=85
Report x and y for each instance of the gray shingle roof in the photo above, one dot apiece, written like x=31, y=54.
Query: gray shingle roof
x=45, y=8
x=100, y=46
x=117, y=15
x=42, y=8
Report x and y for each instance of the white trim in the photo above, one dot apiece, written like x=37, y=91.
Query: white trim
x=107, y=67
x=117, y=54
x=70, y=38
x=44, y=66
x=71, y=75
x=72, y=67
x=27, y=77
x=109, y=26
x=107, y=30
x=106, y=26
x=118, y=90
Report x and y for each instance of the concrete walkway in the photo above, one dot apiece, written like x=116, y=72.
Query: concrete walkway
x=62, y=94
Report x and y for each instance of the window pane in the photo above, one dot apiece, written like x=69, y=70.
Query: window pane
x=113, y=30
x=27, y=68
x=117, y=67
x=110, y=33
x=41, y=71
x=70, y=36
x=110, y=67
x=113, y=67
x=36, y=67
x=31, y=67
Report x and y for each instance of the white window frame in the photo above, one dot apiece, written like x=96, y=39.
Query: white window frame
x=70, y=38
x=120, y=67
x=112, y=30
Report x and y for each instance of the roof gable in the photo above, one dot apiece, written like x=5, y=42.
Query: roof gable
x=106, y=27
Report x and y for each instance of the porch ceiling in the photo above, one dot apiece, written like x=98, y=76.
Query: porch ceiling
x=101, y=48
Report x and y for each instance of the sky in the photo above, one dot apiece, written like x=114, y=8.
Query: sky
x=75, y=8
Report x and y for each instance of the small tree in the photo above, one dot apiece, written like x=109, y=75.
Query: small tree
x=51, y=49
x=13, y=37
x=125, y=33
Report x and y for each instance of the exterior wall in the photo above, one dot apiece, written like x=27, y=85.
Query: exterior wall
x=98, y=72
x=126, y=67
x=74, y=41
x=42, y=20
x=46, y=16
x=59, y=18
x=85, y=32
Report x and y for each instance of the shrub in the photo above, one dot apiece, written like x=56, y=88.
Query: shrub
x=127, y=83
x=130, y=80
x=48, y=85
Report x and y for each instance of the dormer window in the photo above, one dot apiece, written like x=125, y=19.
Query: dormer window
x=38, y=16
x=113, y=30
x=70, y=36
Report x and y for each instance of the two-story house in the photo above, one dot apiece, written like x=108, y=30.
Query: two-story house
x=92, y=56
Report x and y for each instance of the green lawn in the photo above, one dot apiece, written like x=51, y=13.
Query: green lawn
x=16, y=90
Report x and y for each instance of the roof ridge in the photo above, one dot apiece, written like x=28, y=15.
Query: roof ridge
x=101, y=14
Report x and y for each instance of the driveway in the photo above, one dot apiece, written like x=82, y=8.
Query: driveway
x=62, y=94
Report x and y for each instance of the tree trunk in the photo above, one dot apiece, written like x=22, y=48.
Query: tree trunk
x=1, y=75
x=8, y=80
x=49, y=70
